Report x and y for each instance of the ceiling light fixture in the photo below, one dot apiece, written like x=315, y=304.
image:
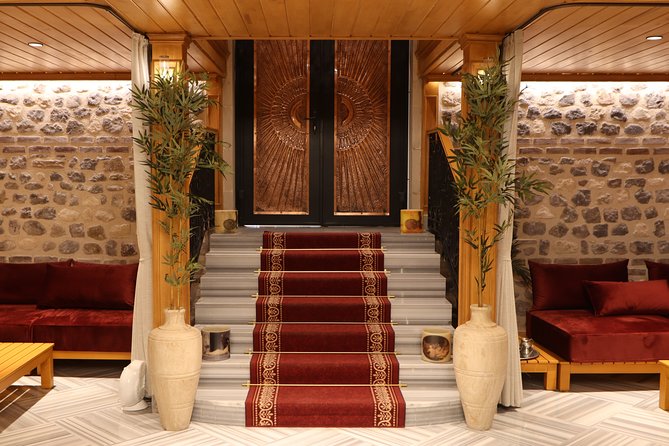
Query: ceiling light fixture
x=654, y=38
x=36, y=44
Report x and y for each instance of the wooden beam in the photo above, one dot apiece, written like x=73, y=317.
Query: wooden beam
x=431, y=55
x=442, y=78
x=216, y=54
x=595, y=77
x=122, y=76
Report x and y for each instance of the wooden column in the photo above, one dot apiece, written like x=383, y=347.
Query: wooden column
x=214, y=92
x=430, y=122
x=168, y=52
x=478, y=50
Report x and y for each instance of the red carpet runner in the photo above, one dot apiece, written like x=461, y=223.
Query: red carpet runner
x=323, y=343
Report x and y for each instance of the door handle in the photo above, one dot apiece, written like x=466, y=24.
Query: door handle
x=312, y=120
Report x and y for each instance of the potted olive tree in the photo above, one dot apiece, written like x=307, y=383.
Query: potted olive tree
x=485, y=178
x=175, y=144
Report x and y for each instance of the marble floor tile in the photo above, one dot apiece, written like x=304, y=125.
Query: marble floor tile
x=651, y=425
x=83, y=409
x=601, y=437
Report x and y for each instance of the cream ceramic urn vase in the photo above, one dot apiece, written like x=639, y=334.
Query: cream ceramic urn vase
x=480, y=360
x=175, y=357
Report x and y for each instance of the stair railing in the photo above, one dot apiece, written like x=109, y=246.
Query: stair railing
x=442, y=218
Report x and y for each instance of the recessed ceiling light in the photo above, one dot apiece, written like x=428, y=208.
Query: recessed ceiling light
x=654, y=38
x=36, y=44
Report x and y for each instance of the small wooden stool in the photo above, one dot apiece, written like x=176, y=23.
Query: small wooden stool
x=664, y=384
x=545, y=363
x=19, y=358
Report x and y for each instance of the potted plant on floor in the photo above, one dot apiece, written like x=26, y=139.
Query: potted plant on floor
x=175, y=144
x=485, y=178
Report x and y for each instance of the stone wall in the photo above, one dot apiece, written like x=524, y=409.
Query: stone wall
x=66, y=174
x=604, y=147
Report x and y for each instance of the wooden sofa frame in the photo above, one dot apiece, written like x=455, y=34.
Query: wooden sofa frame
x=73, y=354
x=566, y=368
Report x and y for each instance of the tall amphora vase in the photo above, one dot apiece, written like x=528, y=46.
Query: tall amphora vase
x=480, y=359
x=175, y=357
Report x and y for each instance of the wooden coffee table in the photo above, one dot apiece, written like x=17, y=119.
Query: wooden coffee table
x=545, y=363
x=18, y=359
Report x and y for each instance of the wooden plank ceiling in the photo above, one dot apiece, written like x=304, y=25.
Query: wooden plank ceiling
x=87, y=39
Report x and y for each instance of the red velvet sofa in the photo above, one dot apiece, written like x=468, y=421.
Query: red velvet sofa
x=85, y=309
x=595, y=321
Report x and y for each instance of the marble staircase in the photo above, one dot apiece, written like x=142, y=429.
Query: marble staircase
x=226, y=291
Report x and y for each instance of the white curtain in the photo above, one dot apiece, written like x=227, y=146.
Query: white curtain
x=512, y=393
x=142, y=322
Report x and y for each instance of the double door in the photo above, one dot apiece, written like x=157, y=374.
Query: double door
x=321, y=131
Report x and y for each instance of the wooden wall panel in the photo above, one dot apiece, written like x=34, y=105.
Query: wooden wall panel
x=185, y=17
x=575, y=29
x=205, y=14
x=230, y=17
x=320, y=17
x=611, y=40
x=253, y=17
x=345, y=15
x=415, y=12
x=440, y=13
x=388, y=21
x=153, y=17
x=276, y=17
x=461, y=16
x=20, y=33
x=368, y=17
x=575, y=39
x=297, y=12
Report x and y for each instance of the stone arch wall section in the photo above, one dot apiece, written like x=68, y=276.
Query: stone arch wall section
x=604, y=148
x=66, y=174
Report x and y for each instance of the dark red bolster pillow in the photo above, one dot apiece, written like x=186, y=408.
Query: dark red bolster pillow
x=629, y=298
x=23, y=283
x=90, y=285
x=657, y=271
x=559, y=287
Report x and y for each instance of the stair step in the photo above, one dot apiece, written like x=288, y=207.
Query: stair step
x=324, y=337
x=415, y=310
x=323, y=309
x=326, y=406
x=423, y=406
x=407, y=338
x=410, y=281
x=414, y=372
x=323, y=368
x=395, y=261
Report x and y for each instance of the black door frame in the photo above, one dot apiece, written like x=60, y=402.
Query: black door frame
x=321, y=159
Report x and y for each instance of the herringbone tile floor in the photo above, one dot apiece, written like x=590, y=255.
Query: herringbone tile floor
x=83, y=409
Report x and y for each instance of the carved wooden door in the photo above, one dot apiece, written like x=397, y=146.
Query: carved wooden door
x=321, y=131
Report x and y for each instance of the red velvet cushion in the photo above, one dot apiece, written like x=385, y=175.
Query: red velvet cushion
x=657, y=271
x=609, y=298
x=557, y=286
x=580, y=336
x=90, y=285
x=85, y=330
x=22, y=283
x=16, y=322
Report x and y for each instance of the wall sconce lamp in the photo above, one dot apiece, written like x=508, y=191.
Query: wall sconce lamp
x=166, y=67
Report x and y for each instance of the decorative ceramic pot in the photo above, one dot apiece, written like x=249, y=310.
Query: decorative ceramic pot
x=480, y=358
x=175, y=357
